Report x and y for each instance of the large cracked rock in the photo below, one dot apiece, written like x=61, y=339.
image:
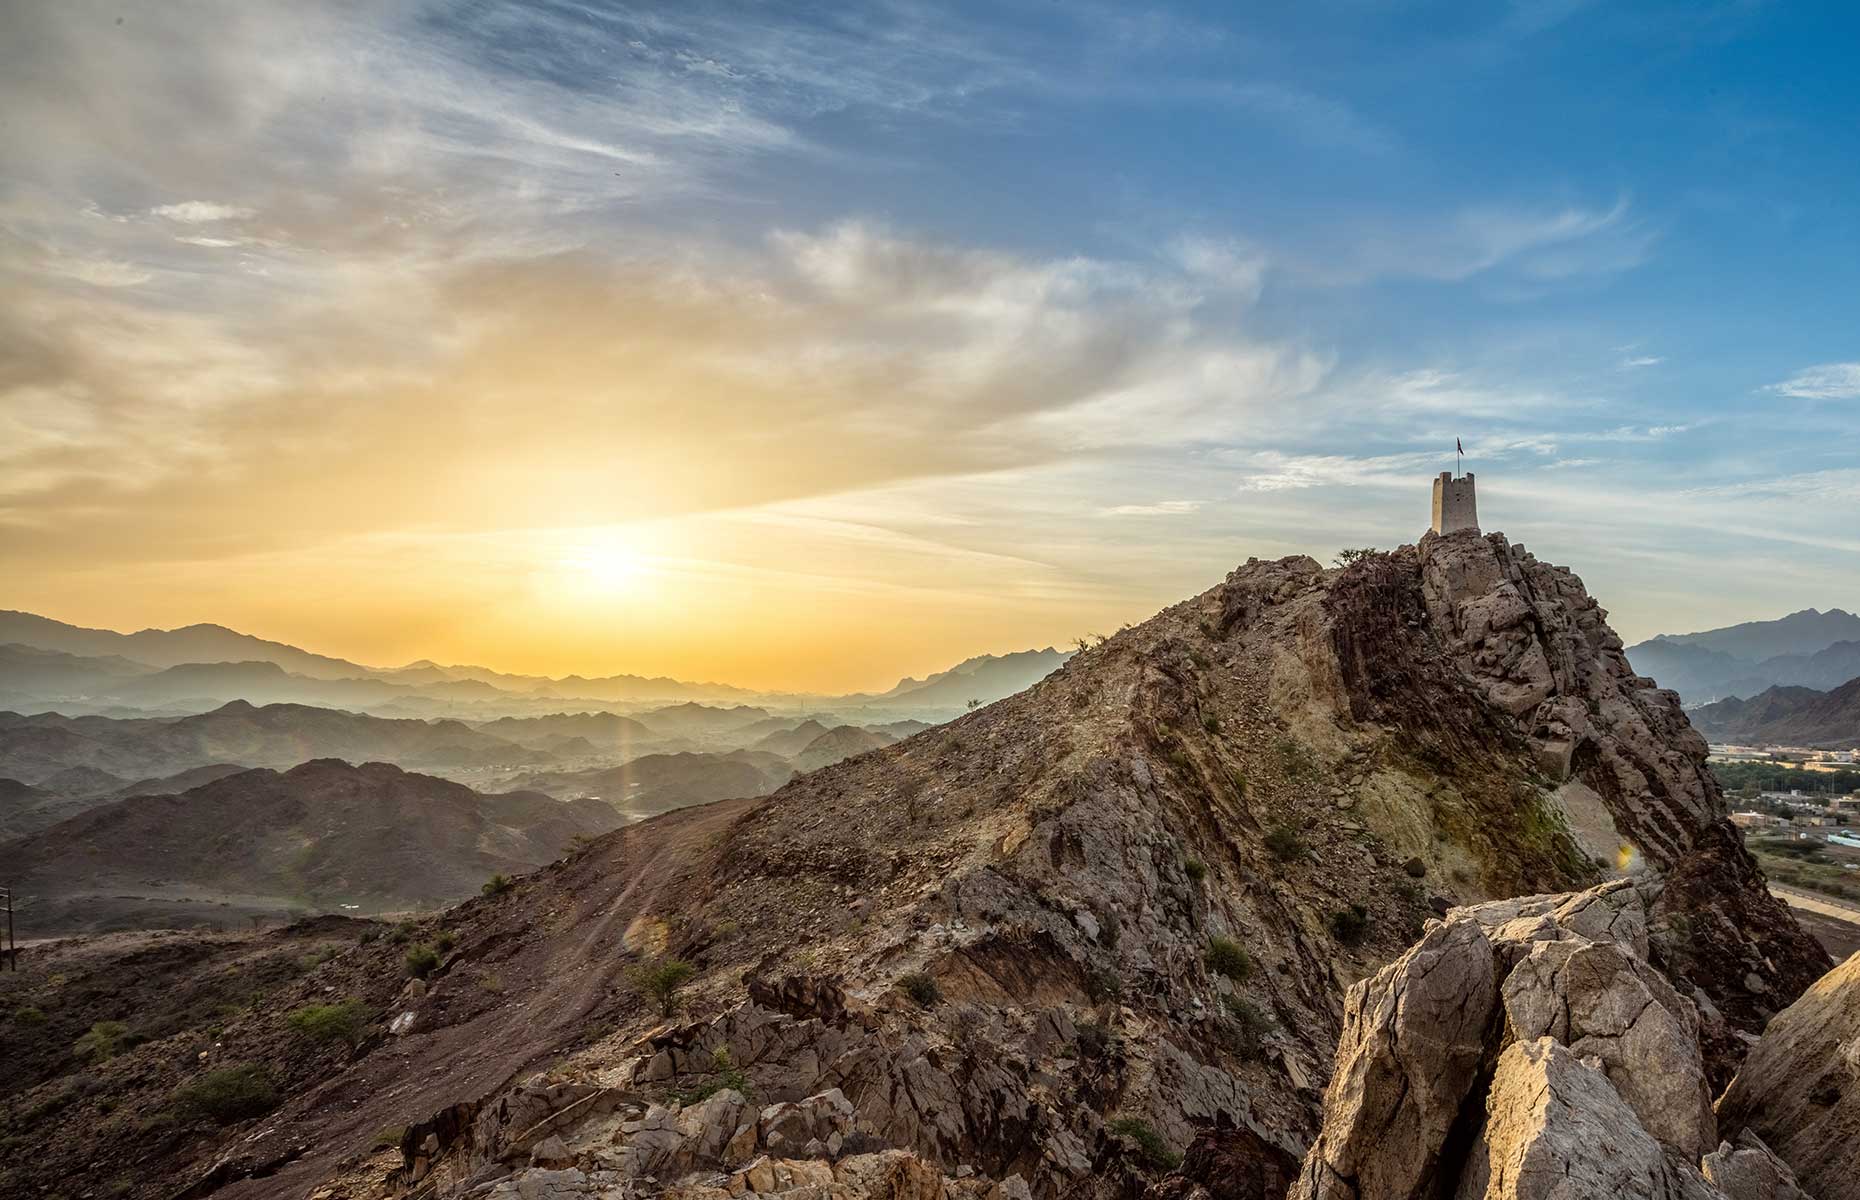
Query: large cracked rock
x=1413, y=1038
x=1555, y=1129
x=1525, y=1050
x=1799, y=1088
x=1604, y=1003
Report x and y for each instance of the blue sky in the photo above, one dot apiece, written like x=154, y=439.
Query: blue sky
x=1004, y=321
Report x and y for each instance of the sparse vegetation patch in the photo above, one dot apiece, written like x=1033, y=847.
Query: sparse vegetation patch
x=342, y=1021
x=421, y=959
x=1246, y=1027
x=1350, y=925
x=229, y=1095
x=1285, y=843
x=1152, y=1151
x=1224, y=956
x=922, y=989
x=660, y=982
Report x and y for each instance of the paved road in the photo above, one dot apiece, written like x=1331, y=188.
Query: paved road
x=1826, y=906
x=1834, y=924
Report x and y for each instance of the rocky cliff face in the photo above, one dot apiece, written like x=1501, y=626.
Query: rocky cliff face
x=1042, y=950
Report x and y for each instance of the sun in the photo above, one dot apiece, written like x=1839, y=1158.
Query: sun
x=607, y=566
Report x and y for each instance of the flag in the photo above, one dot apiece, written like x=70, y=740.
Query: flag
x=1457, y=448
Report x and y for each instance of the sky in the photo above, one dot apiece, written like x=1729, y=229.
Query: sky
x=807, y=346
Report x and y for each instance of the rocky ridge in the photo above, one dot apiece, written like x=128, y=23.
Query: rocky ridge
x=1047, y=947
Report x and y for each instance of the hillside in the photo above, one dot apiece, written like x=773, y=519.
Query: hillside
x=791, y=741
x=34, y=748
x=1787, y=716
x=25, y=809
x=656, y=783
x=608, y=733
x=1127, y=899
x=318, y=835
x=840, y=742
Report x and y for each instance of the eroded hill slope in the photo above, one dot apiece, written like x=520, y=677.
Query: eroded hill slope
x=1051, y=940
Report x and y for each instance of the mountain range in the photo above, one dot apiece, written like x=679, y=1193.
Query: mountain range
x=49, y=665
x=1809, y=648
x=1787, y=716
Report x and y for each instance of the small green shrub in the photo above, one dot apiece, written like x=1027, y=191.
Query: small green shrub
x=402, y=933
x=1239, y=781
x=498, y=884
x=444, y=941
x=342, y=1021
x=922, y=989
x=421, y=959
x=1284, y=843
x=660, y=982
x=103, y=1041
x=1210, y=722
x=730, y=1077
x=229, y=1094
x=1246, y=1027
x=1350, y=925
x=368, y=935
x=1294, y=758
x=1224, y=956
x=1195, y=869
x=319, y=956
x=29, y=1015
x=1152, y=1151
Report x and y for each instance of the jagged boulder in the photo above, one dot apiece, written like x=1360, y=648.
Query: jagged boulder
x=1605, y=1004
x=1799, y=1088
x=1413, y=1038
x=1522, y=1050
x=1555, y=1129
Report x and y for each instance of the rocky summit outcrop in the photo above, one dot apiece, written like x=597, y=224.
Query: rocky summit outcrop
x=1525, y=1050
x=1055, y=944
x=1799, y=1089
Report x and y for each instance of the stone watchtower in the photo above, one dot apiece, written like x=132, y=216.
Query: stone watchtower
x=1454, y=507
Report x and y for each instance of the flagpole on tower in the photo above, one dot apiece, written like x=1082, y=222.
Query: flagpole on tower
x=1459, y=457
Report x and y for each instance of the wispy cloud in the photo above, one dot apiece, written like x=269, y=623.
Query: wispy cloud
x=1531, y=243
x=198, y=212
x=1829, y=381
x=1162, y=508
x=1639, y=363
